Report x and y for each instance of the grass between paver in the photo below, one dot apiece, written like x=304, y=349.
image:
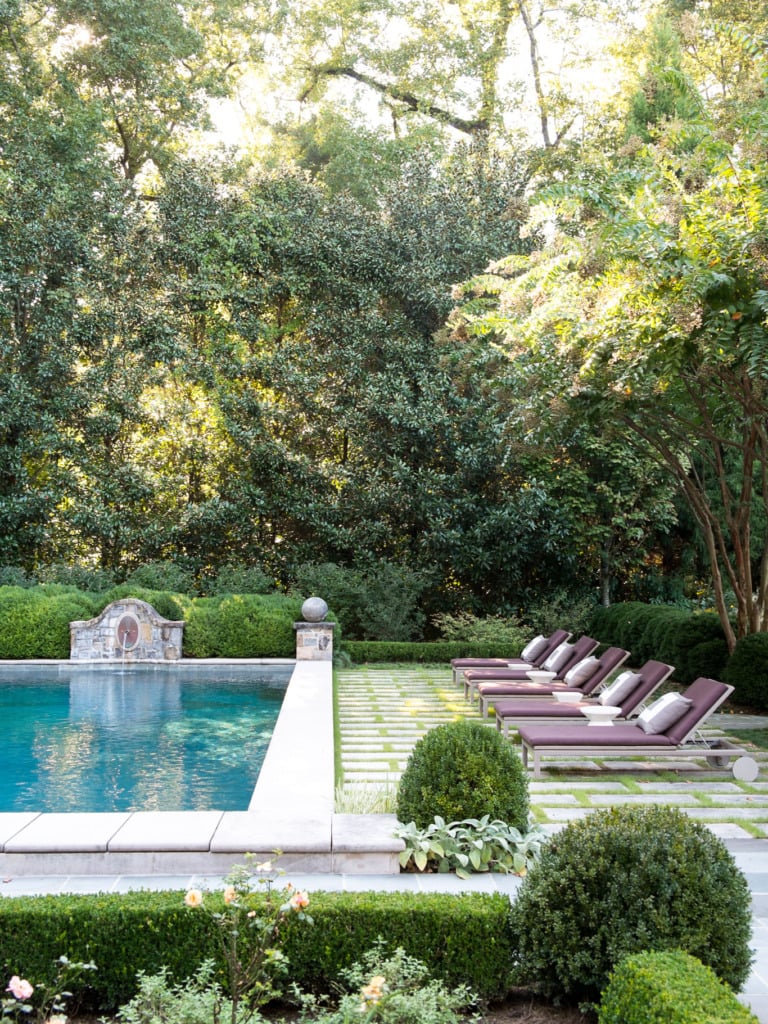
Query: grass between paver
x=382, y=710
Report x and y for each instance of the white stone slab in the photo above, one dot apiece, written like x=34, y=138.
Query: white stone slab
x=67, y=833
x=12, y=822
x=166, y=830
x=288, y=831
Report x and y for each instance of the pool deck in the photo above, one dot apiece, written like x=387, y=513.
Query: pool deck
x=291, y=810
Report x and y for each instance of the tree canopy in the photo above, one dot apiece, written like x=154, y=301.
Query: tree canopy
x=478, y=296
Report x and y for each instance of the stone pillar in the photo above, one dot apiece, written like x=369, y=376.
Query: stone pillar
x=314, y=636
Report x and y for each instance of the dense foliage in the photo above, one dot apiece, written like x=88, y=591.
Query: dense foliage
x=246, y=357
x=669, y=988
x=463, y=939
x=463, y=770
x=623, y=881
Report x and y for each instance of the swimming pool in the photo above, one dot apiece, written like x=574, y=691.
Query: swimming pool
x=140, y=737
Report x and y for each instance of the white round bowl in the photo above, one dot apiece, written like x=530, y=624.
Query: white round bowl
x=601, y=714
x=537, y=675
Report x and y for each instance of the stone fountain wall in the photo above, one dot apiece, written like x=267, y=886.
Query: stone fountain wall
x=127, y=630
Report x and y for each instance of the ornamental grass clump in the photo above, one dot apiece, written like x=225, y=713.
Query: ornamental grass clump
x=463, y=770
x=622, y=881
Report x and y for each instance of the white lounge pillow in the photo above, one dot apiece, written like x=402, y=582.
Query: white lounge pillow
x=533, y=648
x=581, y=671
x=558, y=657
x=664, y=712
x=620, y=688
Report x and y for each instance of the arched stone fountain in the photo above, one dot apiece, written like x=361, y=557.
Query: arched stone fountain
x=127, y=630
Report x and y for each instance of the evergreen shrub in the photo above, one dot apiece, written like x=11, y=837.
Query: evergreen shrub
x=34, y=622
x=623, y=881
x=463, y=770
x=747, y=671
x=242, y=626
x=163, y=576
x=169, y=606
x=462, y=938
x=669, y=988
x=436, y=652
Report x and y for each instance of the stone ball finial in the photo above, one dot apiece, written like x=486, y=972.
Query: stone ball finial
x=314, y=609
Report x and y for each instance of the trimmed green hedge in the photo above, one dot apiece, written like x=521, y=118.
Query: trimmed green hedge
x=34, y=621
x=747, y=671
x=436, y=652
x=693, y=642
x=242, y=626
x=462, y=939
x=669, y=988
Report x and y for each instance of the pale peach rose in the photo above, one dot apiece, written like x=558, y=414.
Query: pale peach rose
x=194, y=898
x=299, y=900
x=374, y=990
x=230, y=894
x=20, y=988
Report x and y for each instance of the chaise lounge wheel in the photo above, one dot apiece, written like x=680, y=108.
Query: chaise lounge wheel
x=745, y=769
x=719, y=762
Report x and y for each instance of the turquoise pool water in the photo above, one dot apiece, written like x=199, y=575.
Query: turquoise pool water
x=143, y=737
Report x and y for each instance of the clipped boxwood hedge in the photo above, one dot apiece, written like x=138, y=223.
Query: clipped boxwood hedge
x=462, y=938
x=34, y=621
x=435, y=652
x=693, y=642
x=747, y=671
x=669, y=988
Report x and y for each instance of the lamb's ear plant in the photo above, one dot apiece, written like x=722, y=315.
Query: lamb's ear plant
x=471, y=845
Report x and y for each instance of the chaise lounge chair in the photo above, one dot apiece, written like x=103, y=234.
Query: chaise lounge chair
x=673, y=741
x=563, y=658
x=532, y=655
x=584, y=677
x=628, y=692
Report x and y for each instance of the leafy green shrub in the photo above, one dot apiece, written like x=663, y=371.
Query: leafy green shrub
x=706, y=659
x=81, y=577
x=163, y=576
x=747, y=671
x=504, y=633
x=394, y=988
x=195, y=1000
x=239, y=579
x=461, y=938
x=378, y=602
x=169, y=606
x=622, y=881
x=472, y=845
x=13, y=576
x=463, y=770
x=242, y=626
x=561, y=610
x=690, y=632
x=669, y=988
x=34, y=622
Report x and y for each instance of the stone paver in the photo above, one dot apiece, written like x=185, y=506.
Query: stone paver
x=384, y=711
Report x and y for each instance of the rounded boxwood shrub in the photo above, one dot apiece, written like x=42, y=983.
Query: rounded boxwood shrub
x=463, y=770
x=622, y=881
x=669, y=988
x=747, y=671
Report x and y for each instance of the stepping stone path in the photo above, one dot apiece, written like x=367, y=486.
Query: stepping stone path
x=383, y=711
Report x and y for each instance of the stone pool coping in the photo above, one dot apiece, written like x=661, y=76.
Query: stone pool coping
x=291, y=810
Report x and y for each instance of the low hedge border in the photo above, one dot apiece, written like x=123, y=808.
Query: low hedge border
x=462, y=938
x=669, y=988
x=434, y=652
